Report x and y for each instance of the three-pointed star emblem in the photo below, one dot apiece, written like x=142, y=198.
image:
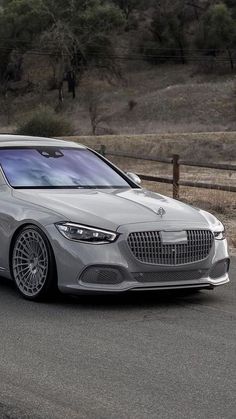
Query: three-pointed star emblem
x=161, y=212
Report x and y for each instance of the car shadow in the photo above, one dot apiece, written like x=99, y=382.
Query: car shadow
x=149, y=299
x=127, y=300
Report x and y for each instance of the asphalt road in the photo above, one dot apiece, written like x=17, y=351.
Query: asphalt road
x=137, y=356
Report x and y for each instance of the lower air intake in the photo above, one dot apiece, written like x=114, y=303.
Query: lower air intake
x=167, y=276
x=106, y=276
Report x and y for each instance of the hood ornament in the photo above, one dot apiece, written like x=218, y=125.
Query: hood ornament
x=161, y=212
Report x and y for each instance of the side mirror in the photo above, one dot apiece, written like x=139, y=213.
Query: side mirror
x=135, y=178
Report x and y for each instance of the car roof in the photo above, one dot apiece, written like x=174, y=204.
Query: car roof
x=13, y=140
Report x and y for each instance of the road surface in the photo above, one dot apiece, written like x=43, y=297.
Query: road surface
x=166, y=355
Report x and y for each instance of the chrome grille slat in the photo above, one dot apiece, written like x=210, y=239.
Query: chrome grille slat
x=147, y=247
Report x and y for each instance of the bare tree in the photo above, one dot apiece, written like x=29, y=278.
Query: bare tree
x=94, y=99
x=94, y=113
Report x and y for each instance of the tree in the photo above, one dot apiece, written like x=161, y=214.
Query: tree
x=80, y=37
x=231, y=4
x=168, y=31
x=197, y=8
x=129, y=6
x=217, y=33
x=20, y=23
x=74, y=34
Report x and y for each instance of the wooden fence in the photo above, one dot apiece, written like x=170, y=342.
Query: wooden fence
x=176, y=163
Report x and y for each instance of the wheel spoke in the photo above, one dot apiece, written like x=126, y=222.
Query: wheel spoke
x=30, y=262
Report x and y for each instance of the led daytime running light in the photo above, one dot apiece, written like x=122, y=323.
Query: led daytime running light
x=79, y=232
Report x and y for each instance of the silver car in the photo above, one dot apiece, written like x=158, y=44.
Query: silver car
x=71, y=220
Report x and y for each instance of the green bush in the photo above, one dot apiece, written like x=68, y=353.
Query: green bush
x=44, y=122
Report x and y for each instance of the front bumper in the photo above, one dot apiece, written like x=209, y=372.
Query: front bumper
x=112, y=268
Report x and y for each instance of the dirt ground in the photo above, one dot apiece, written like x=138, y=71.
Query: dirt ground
x=146, y=99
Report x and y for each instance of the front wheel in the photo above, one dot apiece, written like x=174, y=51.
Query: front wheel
x=33, y=265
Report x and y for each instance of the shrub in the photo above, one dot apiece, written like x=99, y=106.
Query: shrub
x=44, y=122
x=131, y=104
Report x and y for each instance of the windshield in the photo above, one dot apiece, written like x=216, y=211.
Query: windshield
x=53, y=167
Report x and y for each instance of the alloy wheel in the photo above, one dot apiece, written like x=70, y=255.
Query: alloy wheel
x=30, y=262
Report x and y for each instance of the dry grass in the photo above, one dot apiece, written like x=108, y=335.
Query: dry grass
x=168, y=99
x=211, y=146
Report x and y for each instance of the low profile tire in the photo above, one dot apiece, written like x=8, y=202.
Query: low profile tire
x=33, y=265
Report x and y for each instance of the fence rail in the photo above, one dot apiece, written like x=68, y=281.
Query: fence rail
x=176, y=162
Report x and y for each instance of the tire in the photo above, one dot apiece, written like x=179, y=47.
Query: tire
x=33, y=265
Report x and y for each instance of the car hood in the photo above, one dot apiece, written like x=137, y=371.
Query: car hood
x=112, y=208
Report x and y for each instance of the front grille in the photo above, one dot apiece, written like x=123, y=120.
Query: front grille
x=147, y=247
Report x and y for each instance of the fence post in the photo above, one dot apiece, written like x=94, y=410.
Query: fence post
x=102, y=150
x=176, y=176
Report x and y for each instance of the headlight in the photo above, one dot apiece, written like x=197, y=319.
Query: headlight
x=219, y=231
x=85, y=234
x=215, y=225
x=219, y=235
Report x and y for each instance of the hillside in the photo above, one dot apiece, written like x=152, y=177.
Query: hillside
x=167, y=99
x=134, y=66
x=163, y=99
